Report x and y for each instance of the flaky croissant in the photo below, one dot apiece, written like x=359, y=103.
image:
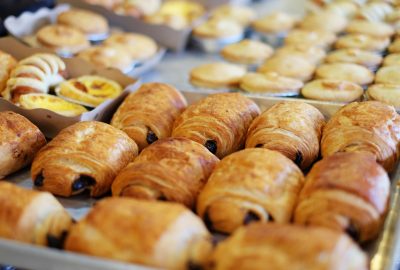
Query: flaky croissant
x=84, y=156
x=345, y=192
x=32, y=217
x=283, y=246
x=35, y=74
x=148, y=114
x=159, y=234
x=219, y=122
x=173, y=169
x=369, y=126
x=247, y=186
x=292, y=128
x=20, y=140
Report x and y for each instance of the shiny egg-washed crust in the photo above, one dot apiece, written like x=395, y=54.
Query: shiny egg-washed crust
x=8, y=62
x=158, y=234
x=369, y=126
x=219, y=122
x=86, y=155
x=250, y=185
x=20, y=140
x=148, y=112
x=292, y=128
x=345, y=192
x=173, y=169
x=31, y=216
x=282, y=247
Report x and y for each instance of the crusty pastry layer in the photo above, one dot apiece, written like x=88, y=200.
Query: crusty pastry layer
x=149, y=113
x=292, y=128
x=32, y=217
x=219, y=122
x=20, y=140
x=173, y=169
x=282, y=247
x=369, y=126
x=247, y=186
x=158, y=234
x=345, y=192
x=84, y=156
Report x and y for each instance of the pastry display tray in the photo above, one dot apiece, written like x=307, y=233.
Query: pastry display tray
x=384, y=252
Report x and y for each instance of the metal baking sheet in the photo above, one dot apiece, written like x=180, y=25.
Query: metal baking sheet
x=384, y=252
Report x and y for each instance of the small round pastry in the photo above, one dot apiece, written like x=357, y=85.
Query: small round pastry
x=63, y=39
x=395, y=46
x=217, y=75
x=139, y=46
x=386, y=93
x=362, y=42
x=372, y=28
x=274, y=23
x=8, y=62
x=242, y=14
x=247, y=52
x=374, y=11
x=107, y=56
x=317, y=38
x=271, y=84
x=345, y=72
x=88, y=22
x=137, y=8
x=388, y=75
x=367, y=59
x=324, y=20
x=392, y=60
x=344, y=8
x=291, y=66
x=313, y=54
x=332, y=90
x=218, y=28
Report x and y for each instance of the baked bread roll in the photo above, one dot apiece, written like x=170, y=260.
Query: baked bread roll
x=292, y=128
x=8, y=62
x=32, y=217
x=219, y=122
x=158, y=234
x=282, y=247
x=369, y=126
x=35, y=74
x=19, y=142
x=148, y=114
x=84, y=156
x=247, y=186
x=173, y=169
x=345, y=192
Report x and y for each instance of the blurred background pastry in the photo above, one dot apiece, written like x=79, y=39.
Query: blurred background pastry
x=242, y=14
x=364, y=58
x=386, y=93
x=318, y=38
x=137, y=8
x=250, y=52
x=325, y=21
x=363, y=42
x=312, y=53
x=345, y=72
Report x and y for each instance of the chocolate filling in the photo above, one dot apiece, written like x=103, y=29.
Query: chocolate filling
x=151, y=137
x=56, y=242
x=83, y=182
x=250, y=217
x=193, y=266
x=353, y=232
x=39, y=180
x=299, y=158
x=211, y=145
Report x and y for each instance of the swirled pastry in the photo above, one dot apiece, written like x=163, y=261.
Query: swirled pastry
x=219, y=122
x=86, y=155
x=159, y=234
x=173, y=169
x=32, y=217
x=149, y=114
x=369, y=126
x=8, y=62
x=292, y=128
x=282, y=247
x=247, y=186
x=345, y=192
x=19, y=142
x=35, y=74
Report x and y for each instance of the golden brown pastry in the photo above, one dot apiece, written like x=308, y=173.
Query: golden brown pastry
x=346, y=72
x=317, y=38
x=149, y=113
x=242, y=14
x=345, y=192
x=363, y=42
x=369, y=126
x=160, y=234
x=32, y=217
x=219, y=122
x=372, y=28
x=247, y=186
x=388, y=75
x=215, y=28
x=392, y=60
x=313, y=54
x=325, y=21
x=367, y=59
x=275, y=23
x=172, y=169
x=282, y=247
x=84, y=156
x=19, y=142
x=136, y=8
x=35, y=74
x=8, y=62
x=386, y=93
x=247, y=51
x=292, y=128
x=395, y=46
x=88, y=22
